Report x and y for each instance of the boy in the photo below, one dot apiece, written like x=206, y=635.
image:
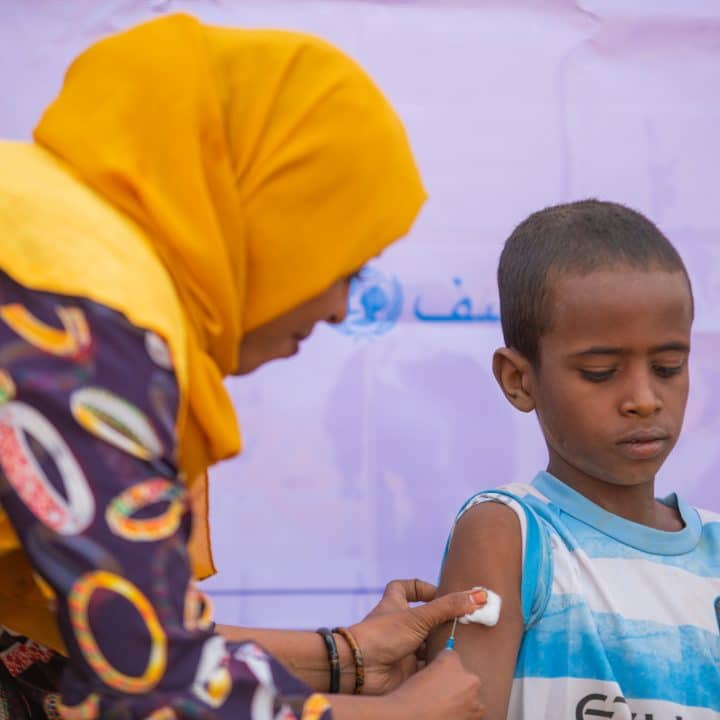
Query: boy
x=611, y=598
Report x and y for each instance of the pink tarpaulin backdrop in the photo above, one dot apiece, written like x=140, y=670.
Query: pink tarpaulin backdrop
x=359, y=452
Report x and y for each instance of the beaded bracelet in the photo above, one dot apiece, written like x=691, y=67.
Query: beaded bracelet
x=357, y=655
x=333, y=658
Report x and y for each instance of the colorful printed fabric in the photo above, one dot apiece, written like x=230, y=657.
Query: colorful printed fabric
x=29, y=674
x=88, y=478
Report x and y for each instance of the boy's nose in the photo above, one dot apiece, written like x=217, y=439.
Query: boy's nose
x=641, y=398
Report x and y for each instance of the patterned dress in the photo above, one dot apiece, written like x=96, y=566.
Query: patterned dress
x=89, y=481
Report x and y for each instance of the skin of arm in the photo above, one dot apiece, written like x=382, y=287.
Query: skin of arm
x=444, y=690
x=302, y=652
x=486, y=550
x=388, y=637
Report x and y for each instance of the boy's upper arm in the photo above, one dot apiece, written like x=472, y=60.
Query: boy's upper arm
x=486, y=549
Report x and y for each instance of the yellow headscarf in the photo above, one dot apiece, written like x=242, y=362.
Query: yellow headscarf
x=261, y=165
x=258, y=166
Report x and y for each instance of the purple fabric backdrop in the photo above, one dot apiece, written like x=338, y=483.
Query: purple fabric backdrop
x=359, y=452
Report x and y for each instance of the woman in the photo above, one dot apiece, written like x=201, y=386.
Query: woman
x=196, y=199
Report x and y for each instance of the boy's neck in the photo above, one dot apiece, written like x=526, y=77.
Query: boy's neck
x=636, y=503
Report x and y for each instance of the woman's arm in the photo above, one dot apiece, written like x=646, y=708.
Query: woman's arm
x=388, y=638
x=302, y=652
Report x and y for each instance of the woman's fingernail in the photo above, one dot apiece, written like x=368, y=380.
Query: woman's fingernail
x=479, y=597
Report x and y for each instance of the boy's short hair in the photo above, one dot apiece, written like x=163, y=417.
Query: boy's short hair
x=578, y=238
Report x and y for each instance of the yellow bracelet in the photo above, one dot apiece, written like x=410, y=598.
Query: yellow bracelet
x=78, y=604
x=357, y=655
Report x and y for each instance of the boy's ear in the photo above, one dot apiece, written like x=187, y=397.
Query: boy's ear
x=513, y=373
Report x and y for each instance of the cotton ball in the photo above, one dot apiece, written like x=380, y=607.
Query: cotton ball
x=488, y=614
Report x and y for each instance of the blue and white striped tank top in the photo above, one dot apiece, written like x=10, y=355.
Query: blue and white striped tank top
x=622, y=621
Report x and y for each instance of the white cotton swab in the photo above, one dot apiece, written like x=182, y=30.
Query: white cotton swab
x=488, y=614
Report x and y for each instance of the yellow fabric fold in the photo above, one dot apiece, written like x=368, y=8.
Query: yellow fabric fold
x=203, y=181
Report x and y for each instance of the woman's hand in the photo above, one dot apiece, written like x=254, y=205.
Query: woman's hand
x=393, y=633
x=445, y=690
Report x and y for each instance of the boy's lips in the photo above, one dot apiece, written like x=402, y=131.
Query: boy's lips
x=644, y=444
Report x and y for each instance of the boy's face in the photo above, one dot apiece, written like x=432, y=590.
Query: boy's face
x=612, y=383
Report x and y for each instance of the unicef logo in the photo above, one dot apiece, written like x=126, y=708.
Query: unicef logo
x=374, y=304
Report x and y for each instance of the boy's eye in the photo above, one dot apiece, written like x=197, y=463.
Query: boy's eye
x=597, y=375
x=666, y=371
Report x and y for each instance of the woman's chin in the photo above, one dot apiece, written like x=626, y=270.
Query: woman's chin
x=252, y=361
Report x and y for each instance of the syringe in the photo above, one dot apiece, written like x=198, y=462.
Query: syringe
x=451, y=640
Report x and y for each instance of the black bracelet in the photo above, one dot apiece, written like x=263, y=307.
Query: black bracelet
x=333, y=658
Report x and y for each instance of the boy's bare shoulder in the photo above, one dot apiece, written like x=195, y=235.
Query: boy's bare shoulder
x=485, y=549
x=491, y=520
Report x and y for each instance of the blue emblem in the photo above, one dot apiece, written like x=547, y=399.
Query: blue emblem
x=375, y=303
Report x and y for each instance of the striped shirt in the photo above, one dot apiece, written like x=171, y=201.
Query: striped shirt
x=622, y=621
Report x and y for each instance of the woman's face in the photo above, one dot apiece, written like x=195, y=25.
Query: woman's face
x=281, y=337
